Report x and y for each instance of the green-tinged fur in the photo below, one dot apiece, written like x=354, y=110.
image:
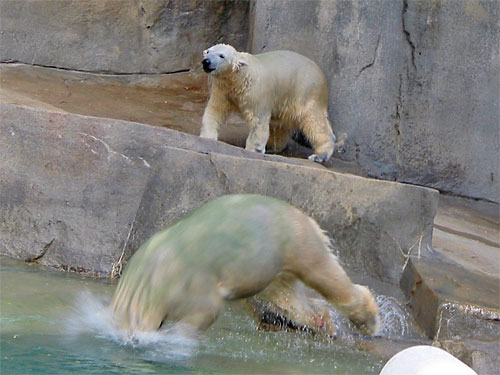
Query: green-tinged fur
x=233, y=247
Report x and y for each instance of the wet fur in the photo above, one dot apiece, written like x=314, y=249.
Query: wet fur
x=281, y=88
x=233, y=247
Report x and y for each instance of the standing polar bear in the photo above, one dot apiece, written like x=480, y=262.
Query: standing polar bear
x=281, y=86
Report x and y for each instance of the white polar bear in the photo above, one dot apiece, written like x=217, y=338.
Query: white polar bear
x=281, y=86
x=240, y=246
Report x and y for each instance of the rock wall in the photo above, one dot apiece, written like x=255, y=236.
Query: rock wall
x=119, y=36
x=83, y=193
x=414, y=85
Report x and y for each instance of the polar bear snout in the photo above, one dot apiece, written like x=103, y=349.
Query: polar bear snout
x=207, y=65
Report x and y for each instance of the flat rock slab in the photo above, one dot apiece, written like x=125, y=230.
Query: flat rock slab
x=174, y=101
x=468, y=232
x=83, y=193
x=451, y=302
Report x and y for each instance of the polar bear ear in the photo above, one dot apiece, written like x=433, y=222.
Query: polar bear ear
x=241, y=63
x=240, y=59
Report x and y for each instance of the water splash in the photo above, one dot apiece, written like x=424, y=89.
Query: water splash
x=393, y=317
x=92, y=316
x=394, y=321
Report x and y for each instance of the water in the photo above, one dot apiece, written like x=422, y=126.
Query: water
x=58, y=323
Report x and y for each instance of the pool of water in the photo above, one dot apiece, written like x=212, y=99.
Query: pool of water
x=57, y=323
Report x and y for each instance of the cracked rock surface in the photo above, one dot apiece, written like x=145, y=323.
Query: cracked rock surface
x=413, y=97
x=413, y=84
x=97, y=188
x=118, y=36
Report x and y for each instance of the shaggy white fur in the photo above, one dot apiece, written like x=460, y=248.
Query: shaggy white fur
x=283, y=88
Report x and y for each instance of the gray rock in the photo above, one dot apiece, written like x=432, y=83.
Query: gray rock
x=414, y=85
x=451, y=302
x=483, y=357
x=119, y=36
x=83, y=193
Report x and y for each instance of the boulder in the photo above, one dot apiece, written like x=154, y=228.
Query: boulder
x=83, y=193
x=118, y=36
x=413, y=84
x=482, y=356
x=451, y=302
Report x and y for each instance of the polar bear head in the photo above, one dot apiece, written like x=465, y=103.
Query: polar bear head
x=221, y=59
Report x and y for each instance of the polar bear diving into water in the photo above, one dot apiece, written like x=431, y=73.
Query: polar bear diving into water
x=282, y=87
x=239, y=246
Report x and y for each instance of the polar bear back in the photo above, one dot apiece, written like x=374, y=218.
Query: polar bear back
x=289, y=77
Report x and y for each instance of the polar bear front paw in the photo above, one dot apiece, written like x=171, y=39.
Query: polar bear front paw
x=318, y=158
x=260, y=149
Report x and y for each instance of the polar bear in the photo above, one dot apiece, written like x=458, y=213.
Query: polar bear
x=281, y=86
x=237, y=246
x=286, y=305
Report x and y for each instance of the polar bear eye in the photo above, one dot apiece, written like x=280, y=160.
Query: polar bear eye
x=221, y=56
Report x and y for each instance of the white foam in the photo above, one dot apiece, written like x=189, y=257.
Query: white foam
x=393, y=317
x=393, y=320
x=92, y=316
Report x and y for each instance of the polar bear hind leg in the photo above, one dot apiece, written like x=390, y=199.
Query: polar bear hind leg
x=318, y=131
x=278, y=137
x=321, y=271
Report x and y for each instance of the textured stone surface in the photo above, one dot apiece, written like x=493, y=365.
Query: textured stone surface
x=414, y=85
x=468, y=233
x=82, y=193
x=483, y=357
x=176, y=101
x=121, y=36
x=451, y=302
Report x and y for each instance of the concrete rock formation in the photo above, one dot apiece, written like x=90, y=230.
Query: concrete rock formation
x=119, y=36
x=413, y=84
x=82, y=193
x=463, y=301
x=413, y=94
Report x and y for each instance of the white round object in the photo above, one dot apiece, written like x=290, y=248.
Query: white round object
x=425, y=360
